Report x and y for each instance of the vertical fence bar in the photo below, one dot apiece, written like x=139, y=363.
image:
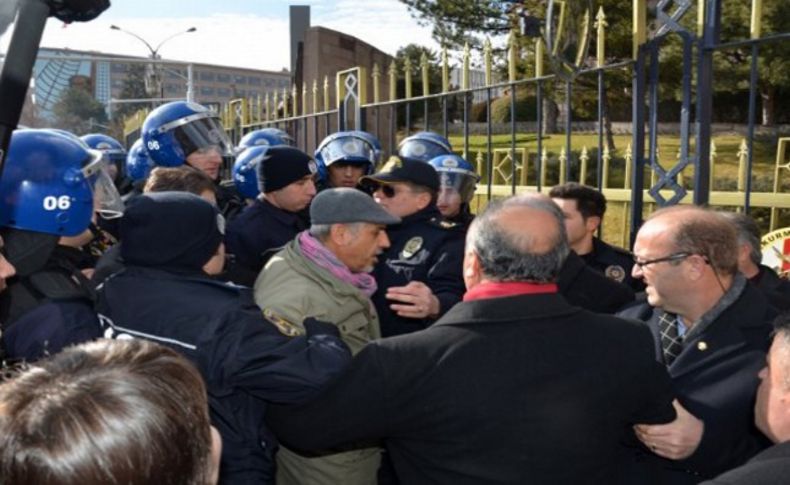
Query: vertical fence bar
x=705, y=101
x=568, y=128
x=601, y=25
x=489, y=161
x=638, y=117
x=512, y=60
x=756, y=29
x=539, y=159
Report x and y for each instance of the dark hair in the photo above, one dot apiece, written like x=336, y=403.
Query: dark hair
x=106, y=412
x=705, y=232
x=507, y=254
x=180, y=179
x=748, y=233
x=589, y=201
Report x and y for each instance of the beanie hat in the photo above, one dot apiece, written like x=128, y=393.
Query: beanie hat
x=347, y=205
x=283, y=165
x=170, y=230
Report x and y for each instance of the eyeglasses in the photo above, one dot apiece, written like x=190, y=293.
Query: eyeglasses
x=671, y=257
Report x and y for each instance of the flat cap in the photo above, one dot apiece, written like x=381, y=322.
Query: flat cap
x=346, y=205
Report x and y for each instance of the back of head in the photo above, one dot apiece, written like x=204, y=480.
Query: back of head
x=170, y=230
x=107, y=412
x=521, y=238
x=589, y=201
x=179, y=179
x=748, y=233
x=697, y=230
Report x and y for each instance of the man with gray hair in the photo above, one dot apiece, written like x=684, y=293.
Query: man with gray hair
x=324, y=273
x=750, y=259
x=772, y=416
x=513, y=385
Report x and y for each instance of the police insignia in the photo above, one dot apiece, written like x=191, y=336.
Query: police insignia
x=284, y=326
x=776, y=251
x=615, y=272
x=393, y=163
x=412, y=246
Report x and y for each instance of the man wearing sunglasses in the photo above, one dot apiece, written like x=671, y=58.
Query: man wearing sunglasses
x=420, y=275
x=711, y=330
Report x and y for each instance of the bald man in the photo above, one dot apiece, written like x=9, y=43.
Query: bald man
x=513, y=385
x=711, y=330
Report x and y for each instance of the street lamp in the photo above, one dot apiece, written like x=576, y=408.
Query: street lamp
x=153, y=81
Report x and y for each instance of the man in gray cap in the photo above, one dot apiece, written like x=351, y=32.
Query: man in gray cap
x=324, y=273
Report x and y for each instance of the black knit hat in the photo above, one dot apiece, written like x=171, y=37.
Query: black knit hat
x=170, y=230
x=283, y=165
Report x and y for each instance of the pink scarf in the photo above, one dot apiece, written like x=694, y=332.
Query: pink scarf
x=316, y=252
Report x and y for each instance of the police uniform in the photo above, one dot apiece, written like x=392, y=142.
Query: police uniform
x=229, y=201
x=583, y=286
x=423, y=247
x=245, y=360
x=613, y=262
x=255, y=235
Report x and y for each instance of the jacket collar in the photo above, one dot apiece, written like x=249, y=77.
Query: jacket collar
x=425, y=214
x=517, y=308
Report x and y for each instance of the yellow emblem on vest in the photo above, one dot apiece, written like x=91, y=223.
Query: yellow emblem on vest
x=412, y=246
x=284, y=326
x=393, y=163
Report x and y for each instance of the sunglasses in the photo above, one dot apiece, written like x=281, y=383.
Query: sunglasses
x=389, y=191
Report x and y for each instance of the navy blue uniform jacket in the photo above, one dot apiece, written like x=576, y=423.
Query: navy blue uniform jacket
x=715, y=379
x=515, y=390
x=245, y=360
x=422, y=248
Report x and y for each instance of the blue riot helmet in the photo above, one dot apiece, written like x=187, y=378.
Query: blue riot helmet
x=265, y=137
x=424, y=146
x=349, y=147
x=455, y=174
x=138, y=163
x=175, y=130
x=68, y=134
x=112, y=149
x=372, y=140
x=245, y=170
x=52, y=184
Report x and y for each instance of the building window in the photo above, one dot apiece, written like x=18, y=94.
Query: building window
x=206, y=76
x=223, y=78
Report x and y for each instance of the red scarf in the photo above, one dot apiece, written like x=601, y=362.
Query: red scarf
x=498, y=289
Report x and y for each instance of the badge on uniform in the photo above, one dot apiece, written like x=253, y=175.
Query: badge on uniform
x=615, y=272
x=284, y=326
x=412, y=246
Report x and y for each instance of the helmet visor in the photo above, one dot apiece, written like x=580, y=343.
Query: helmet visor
x=463, y=183
x=348, y=149
x=107, y=201
x=421, y=149
x=201, y=133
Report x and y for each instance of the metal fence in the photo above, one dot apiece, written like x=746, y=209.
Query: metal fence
x=357, y=102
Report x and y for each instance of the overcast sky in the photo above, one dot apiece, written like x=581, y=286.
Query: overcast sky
x=244, y=33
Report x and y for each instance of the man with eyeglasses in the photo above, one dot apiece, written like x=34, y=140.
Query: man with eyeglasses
x=711, y=330
x=420, y=275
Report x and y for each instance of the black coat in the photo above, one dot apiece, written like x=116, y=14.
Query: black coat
x=715, y=379
x=776, y=289
x=613, y=262
x=585, y=287
x=516, y=390
x=258, y=232
x=245, y=361
x=770, y=467
x=423, y=247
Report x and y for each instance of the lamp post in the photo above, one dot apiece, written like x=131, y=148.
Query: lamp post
x=153, y=80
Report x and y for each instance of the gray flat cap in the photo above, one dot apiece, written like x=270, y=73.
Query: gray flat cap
x=346, y=205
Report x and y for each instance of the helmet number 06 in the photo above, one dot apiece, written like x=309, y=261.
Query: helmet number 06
x=153, y=145
x=52, y=203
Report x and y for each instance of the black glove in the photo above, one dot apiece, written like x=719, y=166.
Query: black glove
x=77, y=10
x=318, y=327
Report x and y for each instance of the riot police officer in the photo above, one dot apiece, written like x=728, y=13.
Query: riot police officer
x=265, y=137
x=250, y=150
x=424, y=146
x=457, y=183
x=51, y=186
x=420, y=275
x=116, y=157
x=138, y=167
x=182, y=132
x=343, y=158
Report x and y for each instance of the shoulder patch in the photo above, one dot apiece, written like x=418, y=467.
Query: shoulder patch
x=284, y=326
x=615, y=272
x=444, y=224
